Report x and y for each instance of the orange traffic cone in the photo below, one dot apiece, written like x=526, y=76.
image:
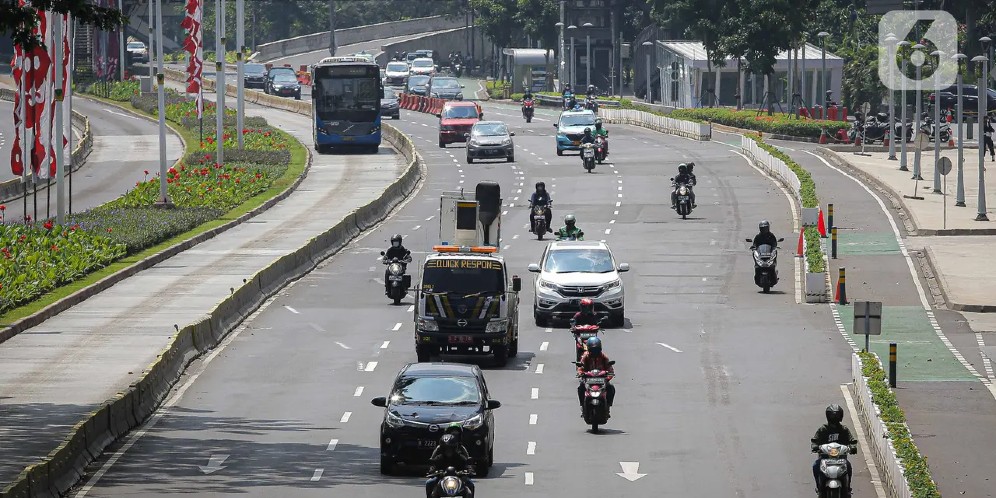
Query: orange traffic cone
x=857, y=140
x=951, y=142
x=885, y=141
x=798, y=252
x=950, y=115
x=823, y=136
x=821, y=226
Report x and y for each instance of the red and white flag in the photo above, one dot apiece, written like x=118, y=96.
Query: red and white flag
x=40, y=114
x=193, y=44
x=16, y=153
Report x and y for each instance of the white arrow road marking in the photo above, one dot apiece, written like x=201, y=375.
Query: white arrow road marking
x=358, y=391
x=292, y=310
x=123, y=114
x=672, y=348
x=214, y=464
x=529, y=478
x=630, y=471
x=317, y=475
x=332, y=445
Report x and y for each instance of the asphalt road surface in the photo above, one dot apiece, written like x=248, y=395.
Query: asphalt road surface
x=719, y=386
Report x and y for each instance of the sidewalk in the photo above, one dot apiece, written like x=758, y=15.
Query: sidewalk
x=54, y=374
x=950, y=413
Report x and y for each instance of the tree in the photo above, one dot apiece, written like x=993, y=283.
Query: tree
x=19, y=21
x=497, y=19
x=537, y=18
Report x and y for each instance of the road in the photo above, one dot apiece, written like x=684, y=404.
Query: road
x=720, y=387
x=124, y=147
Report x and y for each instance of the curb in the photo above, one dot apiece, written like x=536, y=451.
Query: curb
x=936, y=281
x=65, y=465
x=10, y=330
x=14, y=189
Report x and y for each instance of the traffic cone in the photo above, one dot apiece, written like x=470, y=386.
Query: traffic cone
x=821, y=226
x=857, y=140
x=885, y=141
x=823, y=136
x=951, y=142
x=799, y=250
x=950, y=115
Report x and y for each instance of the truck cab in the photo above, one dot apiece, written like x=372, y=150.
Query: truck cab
x=467, y=302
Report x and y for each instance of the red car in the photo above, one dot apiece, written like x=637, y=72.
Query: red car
x=456, y=120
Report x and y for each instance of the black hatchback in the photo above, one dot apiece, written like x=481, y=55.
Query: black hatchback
x=427, y=398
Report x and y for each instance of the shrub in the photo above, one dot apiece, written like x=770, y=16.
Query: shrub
x=119, y=91
x=140, y=227
x=781, y=124
x=37, y=259
x=914, y=464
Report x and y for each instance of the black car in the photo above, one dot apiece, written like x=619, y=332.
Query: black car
x=970, y=98
x=273, y=73
x=254, y=75
x=285, y=85
x=419, y=85
x=445, y=87
x=390, y=105
x=427, y=398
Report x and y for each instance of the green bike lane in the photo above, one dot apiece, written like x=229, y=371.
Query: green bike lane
x=950, y=410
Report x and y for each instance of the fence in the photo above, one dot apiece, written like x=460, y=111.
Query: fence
x=889, y=465
x=662, y=124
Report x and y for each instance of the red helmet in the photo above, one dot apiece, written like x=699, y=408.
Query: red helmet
x=587, y=305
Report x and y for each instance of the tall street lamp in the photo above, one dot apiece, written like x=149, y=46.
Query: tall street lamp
x=650, y=99
x=960, y=196
x=587, y=55
x=560, y=53
x=823, y=74
x=937, y=120
x=918, y=60
x=983, y=89
x=903, y=164
x=891, y=39
x=573, y=71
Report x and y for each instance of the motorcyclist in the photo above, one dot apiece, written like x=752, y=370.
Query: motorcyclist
x=594, y=359
x=570, y=229
x=396, y=251
x=540, y=198
x=764, y=236
x=587, y=138
x=832, y=432
x=591, y=92
x=587, y=315
x=602, y=132
x=683, y=177
x=448, y=453
x=528, y=95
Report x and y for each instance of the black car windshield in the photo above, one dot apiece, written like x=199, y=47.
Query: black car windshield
x=254, y=69
x=397, y=67
x=415, y=81
x=463, y=277
x=490, y=130
x=441, y=83
x=436, y=390
x=578, y=261
x=284, y=78
x=281, y=70
x=578, y=120
x=460, y=112
x=389, y=94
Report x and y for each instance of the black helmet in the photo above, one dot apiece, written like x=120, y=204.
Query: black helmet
x=682, y=168
x=449, y=441
x=598, y=123
x=764, y=226
x=569, y=220
x=540, y=185
x=587, y=131
x=690, y=166
x=455, y=429
x=591, y=88
x=396, y=240
x=835, y=414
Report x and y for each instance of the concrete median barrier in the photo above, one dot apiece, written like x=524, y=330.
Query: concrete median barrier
x=97, y=429
x=662, y=124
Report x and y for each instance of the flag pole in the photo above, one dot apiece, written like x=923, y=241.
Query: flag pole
x=59, y=39
x=71, y=35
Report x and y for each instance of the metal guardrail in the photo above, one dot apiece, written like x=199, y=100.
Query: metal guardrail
x=656, y=122
x=559, y=101
x=15, y=188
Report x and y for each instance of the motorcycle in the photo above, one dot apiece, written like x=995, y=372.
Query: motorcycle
x=927, y=128
x=528, y=110
x=897, y=130
x=581, y=335
x=397, y=282
x=765, y=265
x=683, y=205
x=590, y=104
x=871, y=129
x=539, y=221
x=569, y=101
x=458, y=70
x=595, y=409
x=452, y=482
x=601, y=148
x=833, y=470
x=588, y=156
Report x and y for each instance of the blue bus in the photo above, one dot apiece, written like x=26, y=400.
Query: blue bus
x=345, y=94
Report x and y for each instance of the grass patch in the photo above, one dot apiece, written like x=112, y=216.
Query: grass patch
x=914, y=464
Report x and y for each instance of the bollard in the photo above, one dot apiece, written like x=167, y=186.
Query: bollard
x=892, y=365
x=841, y=289
x=970, y=125
x=833, y=242
x=830, y=215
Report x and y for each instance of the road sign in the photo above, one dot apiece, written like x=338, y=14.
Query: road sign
x=866, y=108
x=867, y=319
x=810, y=216
x=944, y=164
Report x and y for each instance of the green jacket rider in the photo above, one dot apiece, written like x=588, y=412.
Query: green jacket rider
x=599, y=131
x=571, y=229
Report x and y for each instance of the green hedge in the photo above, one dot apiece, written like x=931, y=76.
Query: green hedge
x=778, y=123
x=914, y=464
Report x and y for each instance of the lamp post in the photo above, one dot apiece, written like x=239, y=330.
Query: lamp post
x=560, y=53
x=572, y=72
x=240, y=42
x=960, y=196
x=983, y=89
x=919, y=63
x=891, y=39
x=937, y=121
x=903, y=164
x=650, y=97
x=587, y=55
x=160, y=77
x=121, y=44
x=823, y=73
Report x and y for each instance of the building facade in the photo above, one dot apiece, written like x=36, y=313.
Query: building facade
x=602, y=62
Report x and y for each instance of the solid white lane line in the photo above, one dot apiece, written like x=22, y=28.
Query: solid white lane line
x=385, y=345
x=345, y=417
x=292, y=310
x=397, y=326
x=544, y=346
x=370, y=366
x=531, y=448
x=672, y=348
x=332, y=444
x=534, y=394
x=358, y=392
x=532, y=418
x=317, y=475
x=866, y=448
x=529, y=478
x=539, y=368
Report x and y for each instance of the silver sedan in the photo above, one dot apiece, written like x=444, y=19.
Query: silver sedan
x=490, y=140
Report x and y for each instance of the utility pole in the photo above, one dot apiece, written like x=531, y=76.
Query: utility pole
x=332, y=46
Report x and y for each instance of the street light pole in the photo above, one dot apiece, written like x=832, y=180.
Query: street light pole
x=919, y=100
x=572, y=72
x=650, y=95
x=161, y=79
x=891, y=40
x=903, y=163
x=587, y=54
x=560, y=52
x=983, y=104
x=60, y=196
x=960, y=195
x=823, y=73
x=937, y=120
x=121, y=43
x=219, y=69
x=240, y=42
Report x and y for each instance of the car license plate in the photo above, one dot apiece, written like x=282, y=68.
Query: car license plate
x=461, y=339
x=574, y=302
x=587, y=335
x=426, y=443
x=347, y=139
x=394, y=278
x=576, y=142
x=595, y=380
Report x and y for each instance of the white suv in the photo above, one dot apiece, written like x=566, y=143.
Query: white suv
x=572, y=270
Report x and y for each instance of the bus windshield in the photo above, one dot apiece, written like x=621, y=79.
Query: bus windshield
x=349, y=93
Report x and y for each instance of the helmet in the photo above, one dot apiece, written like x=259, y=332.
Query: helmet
x=764, y=226
x=835, y=414
x=591, y=88
x=569, y=220
x=594, y=345
x=598, y=124
x=540, y=185
x=587, y=305
x=396, y=240
x=690, y=166
x=682, y=168
x=449, y=441
x=587, y=131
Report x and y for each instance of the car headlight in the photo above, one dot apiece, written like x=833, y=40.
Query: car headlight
x=473, y=423
x=612, y=285
x=507, y=141
x=496, y=326
x=548, y=285
x=394, y=420
x=428, y=325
